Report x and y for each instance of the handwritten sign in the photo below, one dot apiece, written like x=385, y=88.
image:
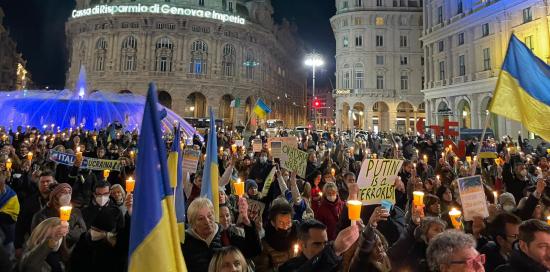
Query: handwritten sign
x=190, y=160
x=472, y=196
x=291, y=141
x=276, y=149
x=87, y=162
x=256, y=145
x=376, y=180
x=294, y=159
x=255, y=210
x=239, y=143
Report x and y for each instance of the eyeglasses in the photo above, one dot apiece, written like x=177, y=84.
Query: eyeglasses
x=480, y=260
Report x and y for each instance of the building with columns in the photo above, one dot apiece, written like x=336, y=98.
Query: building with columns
x=200, y=53
x=465, y=43
x=378, y=64
x=13, y=74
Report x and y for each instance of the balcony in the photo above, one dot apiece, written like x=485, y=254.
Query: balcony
x=385, y=93
x=484, y=75
x=457, y=17
x=459, y=79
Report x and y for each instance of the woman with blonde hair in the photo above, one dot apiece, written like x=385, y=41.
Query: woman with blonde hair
x=43, y=250
x=119, y=195
x=228, y=259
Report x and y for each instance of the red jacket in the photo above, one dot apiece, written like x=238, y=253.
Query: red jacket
x=329, y=213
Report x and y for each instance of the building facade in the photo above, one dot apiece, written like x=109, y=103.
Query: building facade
x=13, y=74
x=465, y=43
x=325, y=111
x=200, y=53
x=379, y=62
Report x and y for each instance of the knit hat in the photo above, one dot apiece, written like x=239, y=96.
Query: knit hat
x=105, y=220
x=58, y=189
x=506, y=198
x=250, y=183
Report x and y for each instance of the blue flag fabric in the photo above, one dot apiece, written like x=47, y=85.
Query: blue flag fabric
x=209, y=188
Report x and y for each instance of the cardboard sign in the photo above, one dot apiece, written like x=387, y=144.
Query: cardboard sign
x=239, y=143
x=376, y=180
x=276, y=149
x=190, y=160
x=255, y=210
x=294, y=159
x=472, y=196
x=87, y=162
x=488, y=151
x=256, y=145
x=291, y=141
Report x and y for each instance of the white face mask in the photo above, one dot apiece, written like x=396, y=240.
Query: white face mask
x=101, y=200
x=331, y=198
x=251, y=155
x=65, y=200
x=263, y=159
x=97, y=235
x=508, y=207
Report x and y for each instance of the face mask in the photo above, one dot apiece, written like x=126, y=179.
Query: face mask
x=65, y=200
x=97, y=235
x=101, y=200
x=58, y=245
x=251, y=155
x=263, y=159
x=331, y=198
x=508, y=207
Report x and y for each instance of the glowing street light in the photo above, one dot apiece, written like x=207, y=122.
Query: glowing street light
x=314, y=60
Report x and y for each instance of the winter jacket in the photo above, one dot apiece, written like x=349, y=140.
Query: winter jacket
x=493, y=258
x=34, y=260
x=329, y=213
x=519, y=262
x=92, y=256
x=276, y=249
x=361, y=258
x=326, y=261
x=90, y=213
x=76, y=223
x=409, y=252
x=29, y=207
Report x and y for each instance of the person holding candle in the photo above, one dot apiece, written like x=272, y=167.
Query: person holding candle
x=101, y=201
x=329, y=210
x=118, y=195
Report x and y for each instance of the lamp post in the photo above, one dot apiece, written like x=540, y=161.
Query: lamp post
x=314, y=59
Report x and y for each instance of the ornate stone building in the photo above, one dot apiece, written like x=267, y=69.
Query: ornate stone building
x=13, y=75
x=200, y=53
x=378, y=64
x=465, y=42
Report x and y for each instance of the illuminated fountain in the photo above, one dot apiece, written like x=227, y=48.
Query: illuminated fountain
x=72, y=108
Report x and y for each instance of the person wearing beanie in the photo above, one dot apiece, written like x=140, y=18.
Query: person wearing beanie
x=97, y=249
x=251, y=188
x=61, y=196
x=101, y=201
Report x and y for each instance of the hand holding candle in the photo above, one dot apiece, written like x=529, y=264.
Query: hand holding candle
x=106, y=173
x=65, y=213
x=418, y=199
x=29, y=156
x=130, y=184
x=455, y=215
x=8, y=164
x=239, y=188
x=78, y=153
x=354, y=210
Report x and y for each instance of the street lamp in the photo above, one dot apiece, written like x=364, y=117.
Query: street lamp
x=314, y=60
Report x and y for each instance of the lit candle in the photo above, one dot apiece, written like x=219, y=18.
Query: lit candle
x=374, y=155
x=442, y=154
x=437, y=177
x=333, y=172
x=320, y=194
x=239, y=188
x=450, y=148
x=496, y=196
x=106, y=173
x=29, y=156
x=132, y=154
x=130, y=184
x=469, y=159
x=94, y=137
x=416, y=152
x=425, y=159
x=455, y=218
x=8, y=164
x=548, y=220
x=354, y=210
x=65, y=213
x=418, y=198
x=78, y=153
x=296, y=249
x=234, y=148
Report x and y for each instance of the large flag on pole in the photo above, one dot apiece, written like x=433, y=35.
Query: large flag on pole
x=210, y=177
x=154, y=241
x=176, y=180
x=261, y=109
x=523, y=89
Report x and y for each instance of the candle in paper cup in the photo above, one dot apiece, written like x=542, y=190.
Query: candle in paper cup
x=65, y=213
x=234, y=148
x=78, y=153
x=333, y=172
x=496, y=196
x=132, y=154
x=418, y=198
x=296, y=249
x=354, y=210
x=8, y=164
x=425, y=157
x=455, y=218
x=548, y=220
x=130, y=184
x=239, y=188
x=29, y=156
x=469, y=159
x=106, y=173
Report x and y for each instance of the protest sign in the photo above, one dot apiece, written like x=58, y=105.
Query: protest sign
x=87, y=162
x=376, y=180
x=190, y=160
x=256, y=145
x=239, y=143
x=294, y=159
x=276, y=149
x=268, y=181
x=472, y=196
x=255, y=210
x=291, y=141
x=488, y=151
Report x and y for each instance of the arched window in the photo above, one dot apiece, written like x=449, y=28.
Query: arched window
x=359, y=76
x=250, y=63
x=228, y=61
x=129, y=54
x=199, y=58
x=164, y=52
x=100, y=54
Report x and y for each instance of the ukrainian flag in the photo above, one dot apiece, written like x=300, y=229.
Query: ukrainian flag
x=154, y=241
x=523, y=89
x=261, y=109
x=210, y=178
x=176, y=180
x=9, y=203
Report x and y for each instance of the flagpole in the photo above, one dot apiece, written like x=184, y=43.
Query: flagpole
x=486, y=124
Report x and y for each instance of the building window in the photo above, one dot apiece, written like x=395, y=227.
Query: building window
x=439, y=14
x=441, y=46
x=344, y=22
x=461, y=65
x=359, y=76
x=250, y=65
x=345, y=5
x=379, y=60
x=380, y=82
x=199, y=58
x=529, y=42
x=164, y=51
x=422, y=61
x=459, y=7
x=404, y=60
x=228, y=61
x=201, y=3
x=230, y=7
x=379, y=40
x=404, y=82
x=358, y=3
x=460, y=38
x=357, y=21
x=346, y=82
x=441, y=70
x=403, y=42
x=527, y=15
x=485, y=29
x=129, y=54
x=359, y=41
x=486, y=59
x=100, y=54
x=346, y=42
x=379, y=3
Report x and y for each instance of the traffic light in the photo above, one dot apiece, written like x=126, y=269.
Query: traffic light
x=316, y=103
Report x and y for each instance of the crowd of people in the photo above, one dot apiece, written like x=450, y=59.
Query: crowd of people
x=303, y=224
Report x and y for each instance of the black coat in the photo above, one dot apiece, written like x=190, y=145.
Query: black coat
x=409, y=252
x=326, y=261
x=93, y=256
x=492, y=255
x=90, y=213
x=29, y=207
x=198, y=254
x=519, y=262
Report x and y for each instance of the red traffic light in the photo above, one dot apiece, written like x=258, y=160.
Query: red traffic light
x=316, y=103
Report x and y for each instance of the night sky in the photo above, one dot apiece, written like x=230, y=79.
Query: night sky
x=38, y=27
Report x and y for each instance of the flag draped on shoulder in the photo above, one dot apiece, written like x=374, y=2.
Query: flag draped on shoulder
x=210, y=178
x=261, y=109
x=175, y=169
x=154, y=241
x=522, y=92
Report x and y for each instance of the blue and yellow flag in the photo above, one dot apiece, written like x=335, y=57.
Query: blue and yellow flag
x=210, y=176
x=523, y=89
x=154, y=241
x=261, y=109
x=176, y=180
x=9, y=203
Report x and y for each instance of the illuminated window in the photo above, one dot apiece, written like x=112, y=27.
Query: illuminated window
x=199, y=55
x=379, y=21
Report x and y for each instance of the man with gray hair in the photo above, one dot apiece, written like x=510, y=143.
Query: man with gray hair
x=454, y=251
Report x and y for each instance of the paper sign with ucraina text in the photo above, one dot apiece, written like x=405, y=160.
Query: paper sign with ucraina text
x=294, y=159
x=377, y=180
